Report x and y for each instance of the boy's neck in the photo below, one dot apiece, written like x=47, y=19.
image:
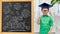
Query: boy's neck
x=44, y=14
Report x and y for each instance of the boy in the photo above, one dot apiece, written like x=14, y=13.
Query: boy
x=46, y=22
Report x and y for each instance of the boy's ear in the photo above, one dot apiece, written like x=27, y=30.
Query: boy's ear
x=41, y=9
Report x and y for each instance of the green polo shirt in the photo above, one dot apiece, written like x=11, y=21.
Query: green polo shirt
x=45, y=23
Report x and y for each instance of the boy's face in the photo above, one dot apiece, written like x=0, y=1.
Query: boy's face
x=45, y=11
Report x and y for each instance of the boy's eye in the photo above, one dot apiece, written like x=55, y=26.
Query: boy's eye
x=44, y=10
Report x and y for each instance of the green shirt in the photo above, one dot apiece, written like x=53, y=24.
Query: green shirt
x=45, y=23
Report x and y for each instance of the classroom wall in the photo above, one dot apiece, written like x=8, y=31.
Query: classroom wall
x=37, y=11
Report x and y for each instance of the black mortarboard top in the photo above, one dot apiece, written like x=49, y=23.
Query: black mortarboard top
x=45, y=5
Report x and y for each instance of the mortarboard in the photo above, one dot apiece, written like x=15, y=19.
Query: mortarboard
x=45, y=5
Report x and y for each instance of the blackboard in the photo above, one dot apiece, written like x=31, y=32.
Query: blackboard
x=16, y=16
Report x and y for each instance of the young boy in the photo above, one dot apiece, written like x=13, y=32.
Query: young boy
x=46, y=22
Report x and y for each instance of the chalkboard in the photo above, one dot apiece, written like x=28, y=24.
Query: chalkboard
x=16, y=16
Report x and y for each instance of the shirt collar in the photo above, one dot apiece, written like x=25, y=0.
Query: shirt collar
x=45, y=15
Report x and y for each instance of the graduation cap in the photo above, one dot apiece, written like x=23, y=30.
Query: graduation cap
x=45, y=5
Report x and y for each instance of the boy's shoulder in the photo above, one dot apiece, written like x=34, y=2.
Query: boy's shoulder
x=50, y=17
